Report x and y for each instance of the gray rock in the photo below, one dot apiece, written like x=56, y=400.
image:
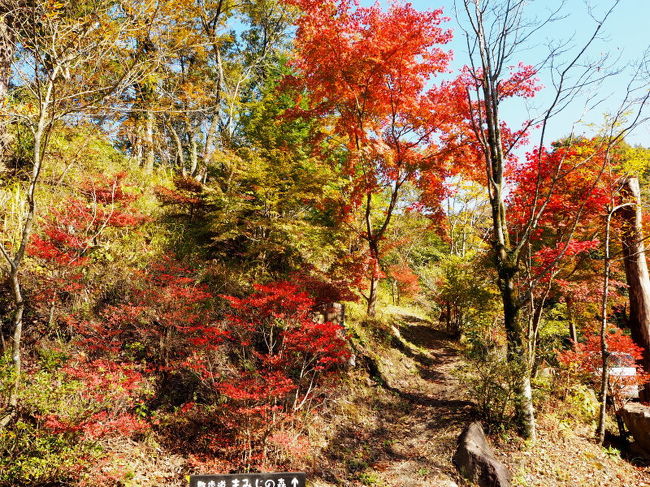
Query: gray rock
x=476, y=462
x=637, y=420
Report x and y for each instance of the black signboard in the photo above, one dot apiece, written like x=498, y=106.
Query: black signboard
x=289, y=479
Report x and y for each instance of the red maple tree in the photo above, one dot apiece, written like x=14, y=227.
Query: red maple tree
x=369, y=70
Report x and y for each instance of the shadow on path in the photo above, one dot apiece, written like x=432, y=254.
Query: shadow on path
x=417, y=412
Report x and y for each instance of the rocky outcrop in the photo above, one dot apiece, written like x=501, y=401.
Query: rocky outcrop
x=637, y=420
x=476, y=462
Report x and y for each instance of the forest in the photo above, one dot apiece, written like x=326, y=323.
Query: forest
x=310, y=236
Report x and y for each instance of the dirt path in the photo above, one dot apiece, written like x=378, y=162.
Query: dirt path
x=403, y=434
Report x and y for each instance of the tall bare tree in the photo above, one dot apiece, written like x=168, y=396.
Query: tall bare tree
x=497, y=32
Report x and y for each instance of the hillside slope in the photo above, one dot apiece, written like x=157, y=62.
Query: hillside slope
x=403, y=433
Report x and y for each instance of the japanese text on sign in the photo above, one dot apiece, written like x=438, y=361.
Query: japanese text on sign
x=249, y=480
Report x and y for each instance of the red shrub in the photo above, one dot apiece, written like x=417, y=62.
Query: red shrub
x=105, y=403
x=280, y=359
x=165, y=312
x=585, y=360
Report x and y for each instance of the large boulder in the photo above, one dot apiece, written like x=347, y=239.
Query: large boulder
x=476, y=462
x=637, y=420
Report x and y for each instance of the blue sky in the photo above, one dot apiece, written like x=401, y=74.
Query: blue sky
x=626, y=34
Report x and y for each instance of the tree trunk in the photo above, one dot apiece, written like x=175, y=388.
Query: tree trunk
x=208, y=149
x=374, y=279
x=149, y=145
x=445, y=315
x=507, y=267
x=16, y=341
x=573, y=332
x=604, y=351
x=517, y=356
x=372, y=297
x=138, y=151
x=41, y=136
x=505, y=255
x=194, y=154
x=636, y=270
x=180, y=154
x=6, y=57
x=17, y=335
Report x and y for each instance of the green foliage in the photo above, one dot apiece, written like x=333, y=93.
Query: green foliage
x=31, y=457
x=370, y=478
x=612, y=452
x=582, y=403
x=66, y=409
x=492, y=383
x=6, y=378
x=464, y=293
x=553, y=333
x=30, y=454
x=268, y=214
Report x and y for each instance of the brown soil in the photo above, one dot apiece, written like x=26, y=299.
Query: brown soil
x=565, y=455
x=401, y=433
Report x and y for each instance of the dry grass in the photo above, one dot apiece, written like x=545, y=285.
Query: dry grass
x=565, y=455
x=127, y=463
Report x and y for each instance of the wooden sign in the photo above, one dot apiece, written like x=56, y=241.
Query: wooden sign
x=288, y=479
